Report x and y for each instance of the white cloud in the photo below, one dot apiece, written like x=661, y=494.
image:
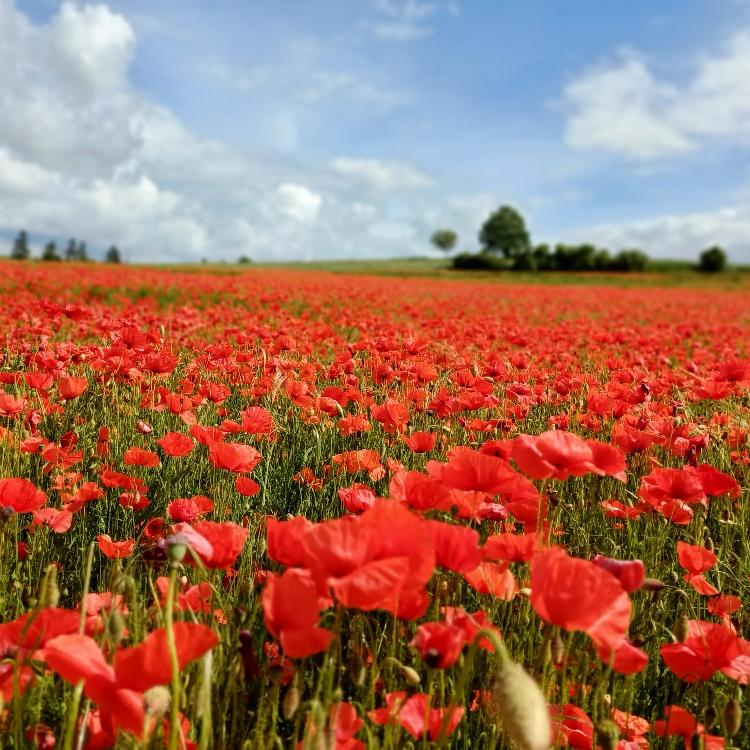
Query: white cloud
x=624, y=108
x=298, y=202
x=407, y=20
x=678, y=235
x=93, y=44
x=85, y=154
x=381, y=175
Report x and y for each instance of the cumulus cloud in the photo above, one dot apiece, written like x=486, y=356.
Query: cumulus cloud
x=381, y=175
x=622, y=107
x=678, y=235
x=84, y=153
x=298, y=202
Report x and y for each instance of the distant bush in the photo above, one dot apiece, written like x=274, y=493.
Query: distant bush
x=479, y=262
x=712, y=260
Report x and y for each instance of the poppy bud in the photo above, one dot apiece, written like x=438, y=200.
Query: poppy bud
x=709, y=717
x=732, y=717
x=291, y=702
x=409, y=674
x=709, y=543
x=116, y=627
x=522, y=708
x=49, y=593
x=607, y=734
x=156, y=700
x=652, y=584
x=557, y=648
x=356, y=668
x=681, y=628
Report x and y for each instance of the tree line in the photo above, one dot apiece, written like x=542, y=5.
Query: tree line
x=506, y=245
x=75, y=250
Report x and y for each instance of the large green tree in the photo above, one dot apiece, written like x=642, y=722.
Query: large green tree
x=712, y=260
x=505, y=232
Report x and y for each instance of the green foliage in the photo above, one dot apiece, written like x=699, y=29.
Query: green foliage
x=712, y=260
x=113, y=255
x=20, y=250
x=505, y=232
x=50, y=252
x=244, y=260
x=444, y=239
x=629, y=260
x=479, y=262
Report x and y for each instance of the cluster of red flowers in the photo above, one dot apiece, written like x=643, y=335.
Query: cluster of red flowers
x=362, y=498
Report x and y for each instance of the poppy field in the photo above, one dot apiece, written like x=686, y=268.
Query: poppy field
x=304, y=510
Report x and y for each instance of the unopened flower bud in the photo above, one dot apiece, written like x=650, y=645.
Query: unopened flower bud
x=681, y=628
x=607, y=734
x=291, y=702
x=157, y=700
x=652, y=584
x=732, y=716
x=49, y=592
x=522, y=708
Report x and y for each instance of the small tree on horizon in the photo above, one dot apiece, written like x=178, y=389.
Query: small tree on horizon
x=444, y=239
x=20, y=249
x=71, y=249
x=712, y=260
x=50, y=252
x=113, y=255
x=505, y=232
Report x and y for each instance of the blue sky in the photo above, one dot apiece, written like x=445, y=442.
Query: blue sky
x=301, y=129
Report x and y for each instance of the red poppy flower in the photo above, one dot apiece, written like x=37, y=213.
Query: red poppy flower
x=291, y=610
x=284, y=540
x=697, y=560
x=511, y=547
x=493, y=578
x=381, y=559
x=709, y=648
x=357, y=498
x=559, y=455
x=118, y=690
x=218, y=545
x=572, y=727
x=456, y=547
x=33, y=630
x=233, y=457
x=70, y=387
x=115, y=550
x=439, y=644
x=190, y=509
x=20, y=495
x=417, y=717
x=630, y=573
x=421, y=442
x=176, y=444
x=57, y=520
x=257, y=421
x=354, y=461
x=579, y=595
x=419, y=491
x=681, y=723
x=140, y=457
x=246, y=486
x=343, y=723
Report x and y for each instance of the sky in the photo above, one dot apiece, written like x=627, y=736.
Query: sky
x=313, y=129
